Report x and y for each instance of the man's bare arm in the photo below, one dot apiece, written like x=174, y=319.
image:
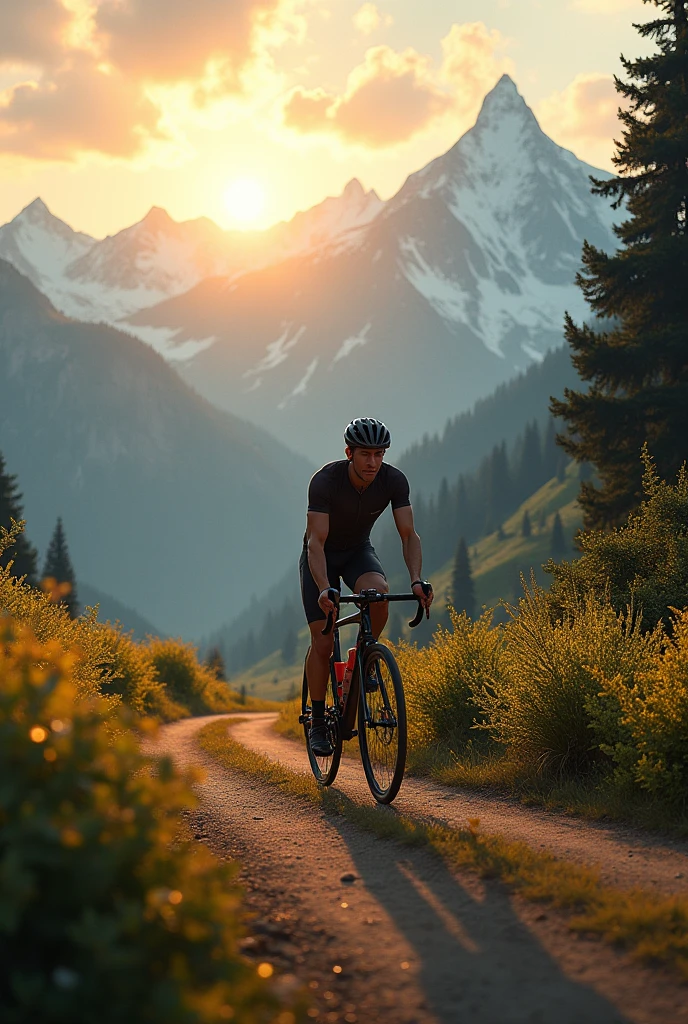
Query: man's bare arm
x=411, y=549
x=317, y=529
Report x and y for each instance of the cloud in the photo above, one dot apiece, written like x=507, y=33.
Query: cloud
x=389, y=99
x=368, y=18
x=473, y=62
x=393, y=96
x=32, y=31
x=80, y=108
x=583, y=117
x=173, y=40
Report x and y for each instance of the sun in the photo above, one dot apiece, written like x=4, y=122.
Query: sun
x=245, y=199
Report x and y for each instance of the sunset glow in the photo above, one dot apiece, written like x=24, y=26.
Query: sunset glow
x=245, y=200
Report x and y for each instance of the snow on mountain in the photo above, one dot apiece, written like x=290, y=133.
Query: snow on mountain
x=457, y=283
x=158, y=257
x=40, y=245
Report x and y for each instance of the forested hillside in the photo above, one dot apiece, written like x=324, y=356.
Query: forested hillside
x=171, y=506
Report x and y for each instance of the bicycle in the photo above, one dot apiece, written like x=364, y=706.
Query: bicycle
x=379, y=702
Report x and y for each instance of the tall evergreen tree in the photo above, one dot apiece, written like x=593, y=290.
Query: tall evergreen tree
x=288, y=650
x=529, y=472
x=462, y=587
x=636, y=359
x=58, y=566
x=558, y=541
x=22, y=554
x=216, y=663
x=526, y=528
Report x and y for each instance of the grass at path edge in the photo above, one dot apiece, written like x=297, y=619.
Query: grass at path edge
x=652, y=928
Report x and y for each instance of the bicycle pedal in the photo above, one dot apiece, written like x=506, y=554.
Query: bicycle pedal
x=354, y=732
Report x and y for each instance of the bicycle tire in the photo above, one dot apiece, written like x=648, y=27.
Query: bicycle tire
x=383, y=746
x=324, y=768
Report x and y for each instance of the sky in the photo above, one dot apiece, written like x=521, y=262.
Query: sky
x=246, y=111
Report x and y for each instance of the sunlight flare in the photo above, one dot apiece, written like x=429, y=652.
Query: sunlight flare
x=245, y=199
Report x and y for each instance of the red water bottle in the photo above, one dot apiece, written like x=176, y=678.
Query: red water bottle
x=348, y=672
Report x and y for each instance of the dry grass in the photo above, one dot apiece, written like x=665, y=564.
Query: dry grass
x=653, y=929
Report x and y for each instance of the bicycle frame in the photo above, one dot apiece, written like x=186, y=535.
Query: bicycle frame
x=347, y=710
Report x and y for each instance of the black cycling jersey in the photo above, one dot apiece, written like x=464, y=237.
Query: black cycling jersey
x=352, y=515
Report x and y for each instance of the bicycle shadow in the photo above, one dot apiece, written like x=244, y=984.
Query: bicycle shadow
x=474, y=959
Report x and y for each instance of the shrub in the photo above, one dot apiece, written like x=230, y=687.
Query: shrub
x=441, y=679
x=105, y=914
x=187, y=682
x=643, y=564
x=654, y=714
x=544, y=704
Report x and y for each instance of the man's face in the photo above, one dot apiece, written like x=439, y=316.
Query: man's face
x=366, y=461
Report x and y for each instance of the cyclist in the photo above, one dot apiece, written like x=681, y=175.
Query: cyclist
x=344, y=500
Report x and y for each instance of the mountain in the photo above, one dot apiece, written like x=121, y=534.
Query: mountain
x=465, y=439
x=158, y=257
x=457, y=284
x=172, y=506
x=110, y=610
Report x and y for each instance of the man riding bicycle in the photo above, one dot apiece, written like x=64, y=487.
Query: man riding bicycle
x=344, y=500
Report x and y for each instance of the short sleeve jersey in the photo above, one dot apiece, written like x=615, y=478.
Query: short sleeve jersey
x=352, y=515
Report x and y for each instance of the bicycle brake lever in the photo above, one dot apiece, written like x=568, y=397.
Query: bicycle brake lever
x=419, y=615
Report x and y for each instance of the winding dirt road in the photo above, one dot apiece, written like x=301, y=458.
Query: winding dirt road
x=380, y=932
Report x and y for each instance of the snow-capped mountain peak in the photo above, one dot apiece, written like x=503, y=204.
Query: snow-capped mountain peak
x=41, y=245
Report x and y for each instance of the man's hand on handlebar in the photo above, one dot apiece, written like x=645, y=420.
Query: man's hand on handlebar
x=423, y=591
x=329, y=601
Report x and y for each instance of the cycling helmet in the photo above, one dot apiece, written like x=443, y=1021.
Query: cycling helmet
x=365, y=432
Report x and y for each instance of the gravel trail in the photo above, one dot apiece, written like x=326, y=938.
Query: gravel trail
x=416, y=942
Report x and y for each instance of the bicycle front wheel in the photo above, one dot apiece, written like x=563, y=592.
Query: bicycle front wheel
x=382, y=723
x=324, y=768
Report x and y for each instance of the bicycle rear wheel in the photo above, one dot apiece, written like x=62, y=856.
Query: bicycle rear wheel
x=382, y=723
x=324, y=768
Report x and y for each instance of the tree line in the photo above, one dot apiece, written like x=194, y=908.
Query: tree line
x=57, y=565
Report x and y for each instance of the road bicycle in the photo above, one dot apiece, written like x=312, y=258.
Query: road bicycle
x=366, y=686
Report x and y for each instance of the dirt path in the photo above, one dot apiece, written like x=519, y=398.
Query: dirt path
x=417, y=944
x=624, y=856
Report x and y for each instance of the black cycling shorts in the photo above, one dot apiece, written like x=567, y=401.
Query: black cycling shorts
x=341, y=565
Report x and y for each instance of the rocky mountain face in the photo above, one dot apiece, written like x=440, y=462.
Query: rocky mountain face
x=170, y=505
x=459, y=282
x=156, y=258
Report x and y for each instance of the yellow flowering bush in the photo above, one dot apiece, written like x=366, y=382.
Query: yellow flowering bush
x=654, y=715
x=106, y=914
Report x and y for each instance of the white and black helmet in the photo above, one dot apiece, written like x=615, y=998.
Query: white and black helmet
x=365, y=432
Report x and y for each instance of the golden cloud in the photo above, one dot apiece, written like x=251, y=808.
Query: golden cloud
x=584, y=117
x=368, y=18
x=393, y=96
x=80, y=108
x=32, y=31
x=389, y=98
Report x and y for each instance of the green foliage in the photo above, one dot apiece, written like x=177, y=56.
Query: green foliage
x=653, y=744
x=58, y=566
x=187, y=682
x=541, y=705
x=643, y=563
x=215, y=663
x=442, y=679
x=558, y=541
x=635, y=361
x=105, y=912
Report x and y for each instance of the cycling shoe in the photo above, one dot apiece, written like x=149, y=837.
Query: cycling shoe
x=320, y=741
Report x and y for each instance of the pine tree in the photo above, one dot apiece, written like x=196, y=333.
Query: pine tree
x=22, y=554
x=462, y=587
x=526, y=528
x=216, y=663
x=529, y=473
x=558, y=541
x=58, y=566
x=635, y=356
x=289, y=647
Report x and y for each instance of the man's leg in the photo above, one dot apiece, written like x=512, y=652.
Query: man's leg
x=318, y=660
x=378, y=612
